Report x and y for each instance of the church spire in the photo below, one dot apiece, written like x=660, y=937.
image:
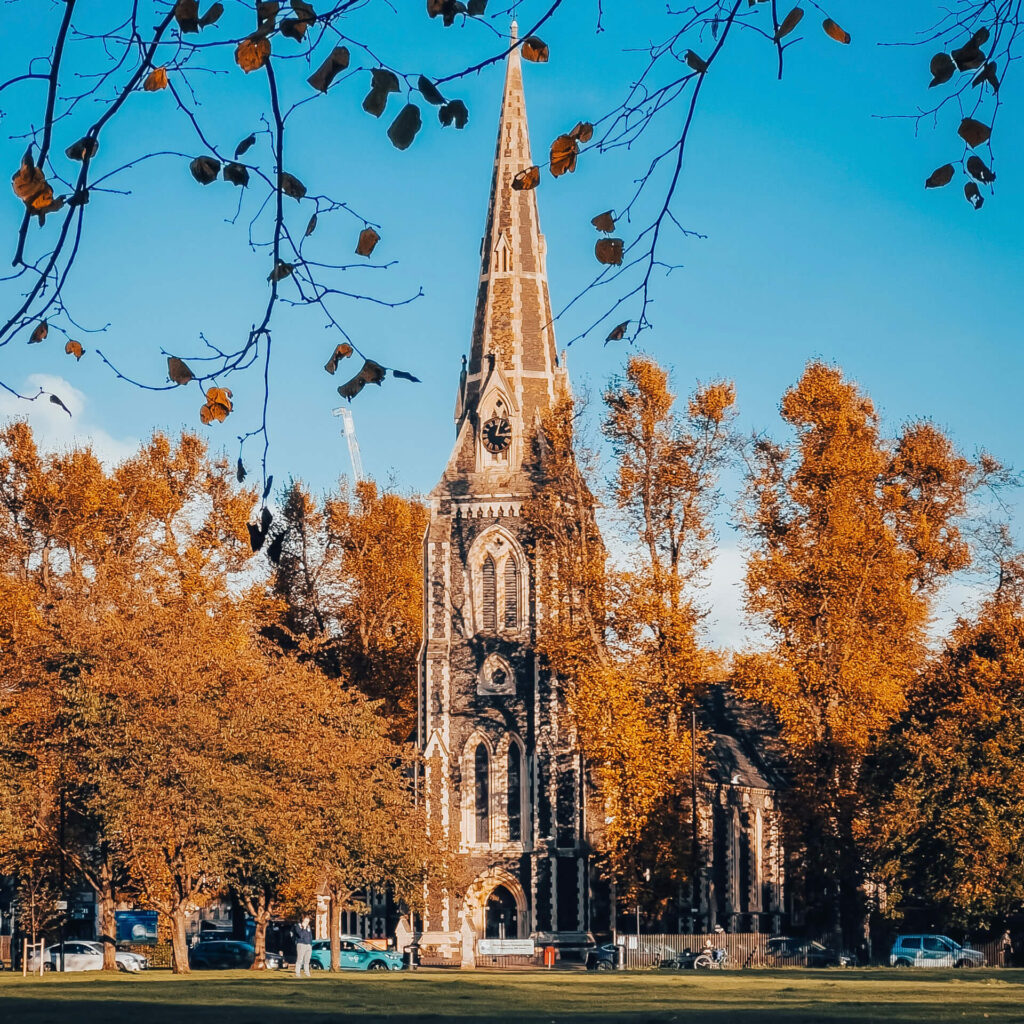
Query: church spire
x=512, y=329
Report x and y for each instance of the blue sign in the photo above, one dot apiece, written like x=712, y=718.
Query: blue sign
x=136, y=926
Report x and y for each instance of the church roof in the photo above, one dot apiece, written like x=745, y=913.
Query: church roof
x=743, y=740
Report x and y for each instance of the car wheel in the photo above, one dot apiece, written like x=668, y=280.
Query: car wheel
x=964, y=963
x=902, y=963
x=316, y=965
x=121, y=967
x=48, y=967
x=602, y=965
x=376, y=965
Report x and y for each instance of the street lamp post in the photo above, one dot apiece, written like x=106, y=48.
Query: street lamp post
x=695, y=871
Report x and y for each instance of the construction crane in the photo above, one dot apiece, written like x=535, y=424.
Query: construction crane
x=348, y=431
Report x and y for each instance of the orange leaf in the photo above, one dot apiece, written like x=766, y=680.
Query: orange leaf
x=789, y=22
x=368, y=239
x=563, y=155
x=74, y=348
x=342, y=351
x=535, y=49
x=218, y=405
x=252, y=53
x=30, y=185
x=156, y=80
x=526, y=179
x=833, y=31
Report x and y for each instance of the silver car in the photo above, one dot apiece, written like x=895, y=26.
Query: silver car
x=933, y=951
x=83, y=955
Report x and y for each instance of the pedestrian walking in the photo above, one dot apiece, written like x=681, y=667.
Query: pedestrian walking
x=303, y=946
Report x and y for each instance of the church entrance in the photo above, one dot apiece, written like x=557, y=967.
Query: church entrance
x=501, y=918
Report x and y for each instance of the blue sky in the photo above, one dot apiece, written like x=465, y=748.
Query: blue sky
x=821, y=241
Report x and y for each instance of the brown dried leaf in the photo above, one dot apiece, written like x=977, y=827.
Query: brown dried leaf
x=74, y=348
x=54, y=400
x=403, y=129
x=788, y=23
x=39, y=332
x=604, y=222
x=342, y=351
x=281, y=271
x=218, y=401
x=942, y=69
x=969, y=57
x=609, y=250
x=84, y=147
x=336, y=62
x=30, y=185
x=535, y=49
x=978, y=169
x=237, y=174
x=973, y=195
x=429, y=91
x=940, y=176
x=974, y=133
x=371, y=373
x=618, y=333
x=695, y=61
x=833, y=31
x=526, y=179
x=252, y=53
x=212, y=16
x=454, y=112
x=205, y=169
x=178, y=371
x=583, y=132
x=311, y=226
x=563, y=155
x=368, y=239
x=186, y=13
x=291, y=186
x=245, y=145
x=987, y=74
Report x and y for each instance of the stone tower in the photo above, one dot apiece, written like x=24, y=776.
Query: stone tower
x=501, y=777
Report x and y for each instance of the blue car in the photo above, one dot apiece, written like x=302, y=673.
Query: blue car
x=355, y=956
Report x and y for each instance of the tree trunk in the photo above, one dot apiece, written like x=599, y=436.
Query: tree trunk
x=179, y=942
x=334, y=927
x=263, y=910
x=107, y=920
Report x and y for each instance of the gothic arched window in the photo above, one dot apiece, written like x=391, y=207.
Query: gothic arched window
x=488, y=595
x=481, y=797
x=511, y=593
x=515, y=793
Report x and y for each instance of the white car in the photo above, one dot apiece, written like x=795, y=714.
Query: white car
x=81, y=955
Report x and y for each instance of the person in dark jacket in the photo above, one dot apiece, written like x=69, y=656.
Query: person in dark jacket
x=303, y=946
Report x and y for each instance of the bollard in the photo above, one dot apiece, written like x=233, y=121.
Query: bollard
x=620, y=958
x=412, y=956
x=549, y=956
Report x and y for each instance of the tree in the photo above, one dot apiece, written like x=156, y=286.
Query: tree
x=626, y=639
x=850, y=536
x=87, y=553
x=88, y=69
x=946, y=787
x=351, y=577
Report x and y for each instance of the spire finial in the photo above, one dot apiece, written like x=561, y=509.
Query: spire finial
x=513, y=29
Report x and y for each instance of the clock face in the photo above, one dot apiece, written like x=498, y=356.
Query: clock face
x=497, y=434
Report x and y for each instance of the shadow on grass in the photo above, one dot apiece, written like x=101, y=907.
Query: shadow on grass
x=796, y=997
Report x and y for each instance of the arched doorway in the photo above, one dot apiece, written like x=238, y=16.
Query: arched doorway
x=501, y=916
x=496, y=907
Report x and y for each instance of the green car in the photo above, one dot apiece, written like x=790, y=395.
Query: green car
x=355, y=956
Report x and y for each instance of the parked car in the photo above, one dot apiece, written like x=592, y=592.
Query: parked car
x=83, y=955
x=355, y=955
x=224, y=954
x=568, y=945
x=933, y=951
x=602, y=958
x=783, y=951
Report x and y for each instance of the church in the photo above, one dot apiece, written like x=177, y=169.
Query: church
x=502, y=776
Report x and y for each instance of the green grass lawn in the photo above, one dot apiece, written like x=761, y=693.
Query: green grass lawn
x=237, y=997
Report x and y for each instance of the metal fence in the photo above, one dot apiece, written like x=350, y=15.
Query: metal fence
x=743, y=949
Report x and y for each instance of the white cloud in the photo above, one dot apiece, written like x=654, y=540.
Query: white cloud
x=54, y=430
